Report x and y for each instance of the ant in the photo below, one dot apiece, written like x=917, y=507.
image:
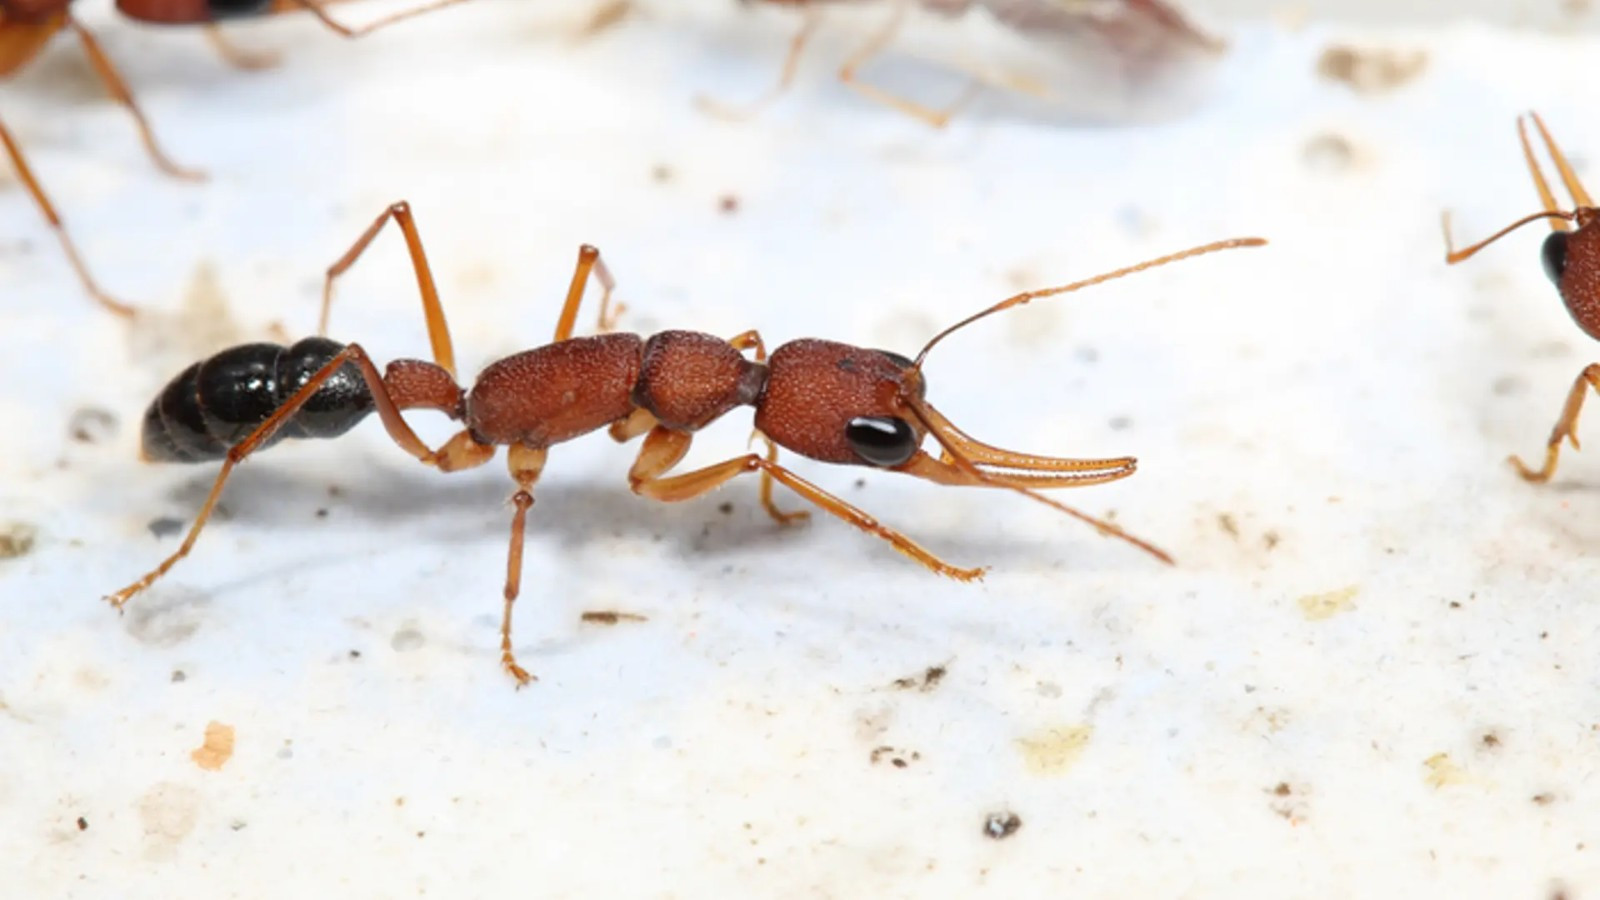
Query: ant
x=27, y=26
x=825, y=400
x=1569, y=258
x=1144, y=31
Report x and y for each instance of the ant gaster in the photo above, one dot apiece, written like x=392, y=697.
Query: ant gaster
x=27, y=26
x=825, y=400
x=1571, y=260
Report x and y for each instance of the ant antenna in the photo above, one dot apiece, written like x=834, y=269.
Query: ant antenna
x=1029, y=296
x=1452, y=255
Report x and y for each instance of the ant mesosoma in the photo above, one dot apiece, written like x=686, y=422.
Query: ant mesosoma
x=27, y=26
x=825, y=400
x=1570, y=261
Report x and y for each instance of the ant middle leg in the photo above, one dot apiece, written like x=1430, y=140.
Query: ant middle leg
x=438, y=328
x=664, y=449
x=810, y=21
x=460, y=452
x=938, y=118
x=119, y=92
x=589, y=263
x=1565, y=428
x=526, y=463
x=53, y=219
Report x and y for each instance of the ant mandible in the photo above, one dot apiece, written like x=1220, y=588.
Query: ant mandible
x=1570, y=260
x=26, y=26
x=825, y=400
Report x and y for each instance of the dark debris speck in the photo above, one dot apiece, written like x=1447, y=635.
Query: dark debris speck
x=1001, y=825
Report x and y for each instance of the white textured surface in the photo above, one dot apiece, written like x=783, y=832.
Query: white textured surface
x=1341, y=398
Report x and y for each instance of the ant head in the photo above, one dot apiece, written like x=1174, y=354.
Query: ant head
x=184, y=12
x=841, y=404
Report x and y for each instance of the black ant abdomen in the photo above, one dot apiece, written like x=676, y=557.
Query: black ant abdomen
x=217, y=402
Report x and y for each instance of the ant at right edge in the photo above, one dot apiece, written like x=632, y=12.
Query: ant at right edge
x=1570, y=261
x=829, y=401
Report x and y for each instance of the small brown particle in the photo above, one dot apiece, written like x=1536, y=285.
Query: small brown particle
x=725, y=507
x=1283, y=789
x=83, y=824
x=1544, y=799
x=1001, y=825
x=611, y=617
x=1491, y=740
x=728, y=204
x=91, y=425
x=217, y=749
x=1371, y=70
x=179, y=676
x=1226, y=522
x=16, y=539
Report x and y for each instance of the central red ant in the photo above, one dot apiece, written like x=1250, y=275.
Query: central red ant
x=27, y=26
x=1572, y=261
x=825, y=400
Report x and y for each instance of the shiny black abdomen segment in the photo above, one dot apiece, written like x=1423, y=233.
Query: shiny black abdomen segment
x=216, y=403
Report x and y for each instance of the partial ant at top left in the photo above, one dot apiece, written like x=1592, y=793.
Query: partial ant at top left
x=26, y=26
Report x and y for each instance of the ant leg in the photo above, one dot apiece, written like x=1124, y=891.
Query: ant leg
x=745, y=341
x=525, y=463
x=118, y=89
x=1580, y=196
x=778, y=515
x=315, y=7
x=664, y=449
x=460, y=453
x=236, y=56
x=589, y=262
x=1564, y=429
x=809, y=23
x=638, y=422
x=438, y=329
x=20, y=164
x=937, y=118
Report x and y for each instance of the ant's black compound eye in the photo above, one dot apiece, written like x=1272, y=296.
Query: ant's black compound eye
x=1554, y=255
x=881, y=440
x=903, y=362
x=224, y=9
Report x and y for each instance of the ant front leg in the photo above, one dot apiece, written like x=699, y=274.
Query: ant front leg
x=752, y=340
x=664, y=449
x=460, y=452
x=317, y=8
x=118, y=89
x=438, y=327
x=1565, y=428
x=53, y=219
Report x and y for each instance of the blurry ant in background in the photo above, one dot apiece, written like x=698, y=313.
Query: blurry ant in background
x=1143, y=33
x=828, y=401
x=1572, y=261
x=27, y=26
